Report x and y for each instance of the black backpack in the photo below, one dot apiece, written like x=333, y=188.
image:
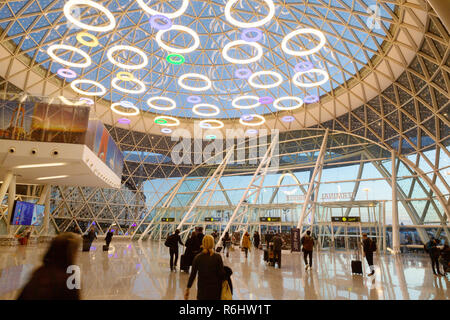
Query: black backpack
x=169, y=241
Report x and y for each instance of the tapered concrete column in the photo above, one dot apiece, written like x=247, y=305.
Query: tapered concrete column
x=395, y=224
x=442, y=9
x=5, y=185
x=45, y=199
x=11, y=197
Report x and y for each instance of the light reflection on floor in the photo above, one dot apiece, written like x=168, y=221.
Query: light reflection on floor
x=134, y=271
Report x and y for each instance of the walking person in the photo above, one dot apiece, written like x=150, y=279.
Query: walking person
x=256, y=239
x=277, y=244
x=369, y=246
x=172, y=242
x=308, y=246
x=198, y=239
x=190, y=252
x=445, y=258
x=211, y=273
x=246, y=243
x=434, y=252
x=226, y=241
x=215, y=235
x=49, y=282
x=108, y=238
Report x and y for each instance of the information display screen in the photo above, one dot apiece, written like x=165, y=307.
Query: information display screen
x=27, y=214
x=345, y=219
x=270, y=219
x=167, y=219
x=212, y=219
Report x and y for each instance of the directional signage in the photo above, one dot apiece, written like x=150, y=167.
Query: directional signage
x=270, y=219
x=345, y=219
x=167, y=219
x=212, y=219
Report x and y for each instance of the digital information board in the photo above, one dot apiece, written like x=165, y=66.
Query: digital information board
x=212, y=219
x=167, y=219
x=27, y=214
x=345, y=219
x=270, y=219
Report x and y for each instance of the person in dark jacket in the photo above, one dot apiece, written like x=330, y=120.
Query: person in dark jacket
x=368, y=253
x=277, y=244
x=434, y=252
x=256, y=239
x=211, y=273
x=199, y=238
x=172, y=242
x=190, y=251
x=109, y=236
x=307, y=248
x=49, y=282
x=445, y=258
x=228, y=273
x=226, y=241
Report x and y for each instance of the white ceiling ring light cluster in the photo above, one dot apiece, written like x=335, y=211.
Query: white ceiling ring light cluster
x=138, y=82
x=253, y=124
x=251, y=80
x=276, y=103
x=51, y=53
x=206, y=124
x=128, y=106
x=315, y=32
x=231, y=44
x=235, y=101
x=172, y=15
x=296, y=81
x=74, y=83
x=70, y=4
x=194, y=75
x=240, y=24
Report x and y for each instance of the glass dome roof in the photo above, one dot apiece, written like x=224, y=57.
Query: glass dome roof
x=352, y=38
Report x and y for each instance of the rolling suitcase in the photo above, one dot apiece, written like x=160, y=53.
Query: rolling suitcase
x=105, y=248
x=357, y=264
x=266, y=255
x=86, y=245
x=183, y=263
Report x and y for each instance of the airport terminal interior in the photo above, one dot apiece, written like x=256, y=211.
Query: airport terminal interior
x=122, y=121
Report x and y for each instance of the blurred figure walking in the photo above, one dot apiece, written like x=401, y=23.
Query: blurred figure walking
x=246, y=243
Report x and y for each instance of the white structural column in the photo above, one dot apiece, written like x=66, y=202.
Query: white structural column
x=264, y=162
x=395, y=225
x=11, y=198
x=313, y=185
x=5, y=185
x=218, y=172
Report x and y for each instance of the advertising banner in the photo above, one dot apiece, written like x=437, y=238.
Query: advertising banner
x=295, y=240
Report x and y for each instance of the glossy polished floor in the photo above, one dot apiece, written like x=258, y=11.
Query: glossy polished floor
x=133, y=271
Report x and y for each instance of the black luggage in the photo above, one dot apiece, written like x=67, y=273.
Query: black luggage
x=184, y=263
x=105, y=247
x=86, y=245
x=357, y=264
x=266, y=255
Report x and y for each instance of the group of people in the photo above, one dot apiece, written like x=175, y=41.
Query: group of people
x=438, y=256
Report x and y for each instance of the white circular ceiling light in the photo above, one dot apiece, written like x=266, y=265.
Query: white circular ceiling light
x=315, y=32
x=205, y=124
x=111, y=59
x=297, y=82
x=88, y=93
x=173, y=104
x=253, y=124
x=52, y=48
x=128, y=106
x=194, y=75
x=276, y=103
x=228, y=46
x=138, y=82
x=240, y=24
x=265, y=86
x=235, y=101
x=70, y=4
x=172, y=15
x=205, y=105
x=177, y=50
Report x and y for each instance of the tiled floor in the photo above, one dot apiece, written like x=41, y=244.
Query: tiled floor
x=134, y=271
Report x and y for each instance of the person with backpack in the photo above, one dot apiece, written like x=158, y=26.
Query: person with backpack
x=369, y=247
x=277, y=244
x=172, y=242
x=308, y=246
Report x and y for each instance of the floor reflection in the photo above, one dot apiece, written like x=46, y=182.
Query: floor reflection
x=141, y=271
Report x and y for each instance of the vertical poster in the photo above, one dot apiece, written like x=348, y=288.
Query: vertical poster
x=295, y=240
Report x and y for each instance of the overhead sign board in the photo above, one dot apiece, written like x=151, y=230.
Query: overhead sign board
x=212, y=219
x=167, y=219
x=345, y=219
x=270, y=219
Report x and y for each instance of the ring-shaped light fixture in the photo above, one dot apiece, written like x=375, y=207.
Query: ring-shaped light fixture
x=172, y=15
x=294, y=33
x=93, y=39
x=206, y=124
x=312, y=84
x=303, y=66
x=176, y=122
x=111, y=59
x=247, y=117
x=87, y=93
x=194, y=75
x=245, y=35
x=312, y=98
x=251, y=131
x=242, y=73
x=158, y=26
x=240, y=24
x=255, y=45
x=263, y=120
x=70, y=48
x=87, y=101
x=135, y=113
x=68, y=8
x=265, y=100
x=210, y=137
x=66, y=73
x=287, y=119
x=265, y=86
x=279, y=107
x=125, y=76
x=139, y=82
x=179, y=59
x=151, y=105
x=124, y=121
x=238, y=106
x=166, y=130
x=194, y=99
x=202, y=114
x=177, y=50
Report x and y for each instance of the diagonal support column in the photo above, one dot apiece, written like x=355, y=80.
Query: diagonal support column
x=313, y=185
x=264, y=163
x=218, y=172
x=395, y=226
